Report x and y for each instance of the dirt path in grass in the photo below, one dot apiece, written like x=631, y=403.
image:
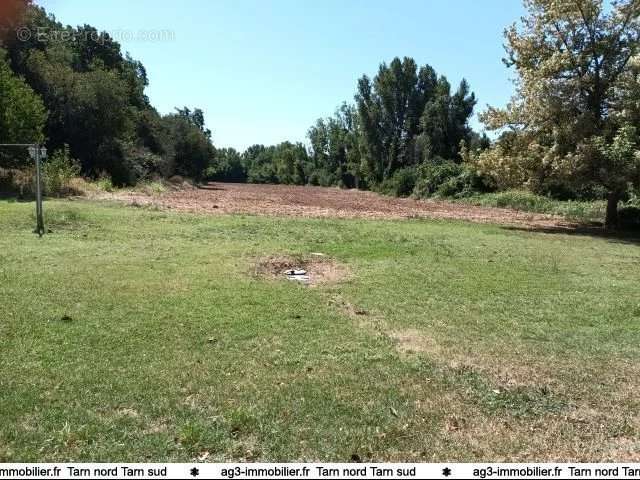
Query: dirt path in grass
x=304, y=201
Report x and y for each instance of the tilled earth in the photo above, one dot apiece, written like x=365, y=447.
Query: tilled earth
x=306, y=201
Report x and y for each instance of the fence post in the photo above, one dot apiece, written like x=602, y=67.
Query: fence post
x=39, y=216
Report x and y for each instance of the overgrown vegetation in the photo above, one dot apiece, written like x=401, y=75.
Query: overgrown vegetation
x=583, y=211
x=59, y=171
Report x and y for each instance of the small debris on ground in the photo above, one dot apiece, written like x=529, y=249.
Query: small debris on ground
x=297, y=275
x=296, y=271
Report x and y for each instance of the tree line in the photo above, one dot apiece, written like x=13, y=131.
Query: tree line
x=78, y=92
x=404, y=121
x=570, y=131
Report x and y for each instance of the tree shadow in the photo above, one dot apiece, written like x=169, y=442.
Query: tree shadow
x=629, y=237
x=13, y=197
x=211, y=186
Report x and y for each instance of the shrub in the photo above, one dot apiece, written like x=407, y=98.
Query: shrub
x=322, y=177
x=629, y=217
x=104, y=183
x=523, y=200
x=466, y=184
x=400, y=184
x=58, y=172
x=431, y=176
x=629, y=213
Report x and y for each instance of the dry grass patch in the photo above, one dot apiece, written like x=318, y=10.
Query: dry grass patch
x=412, y=340
x=503, y=371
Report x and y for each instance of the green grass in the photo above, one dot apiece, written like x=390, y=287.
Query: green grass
x=130, y=334
x=581, y=211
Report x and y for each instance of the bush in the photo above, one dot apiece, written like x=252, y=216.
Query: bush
x=530, y=202
x=58, y=172
x=629, y=217
x=400, y=184
x=322, y=178
x=431, y=176
x=104, y=183
x=466, y=184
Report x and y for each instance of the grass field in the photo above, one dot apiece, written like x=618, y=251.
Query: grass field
x=134, y=334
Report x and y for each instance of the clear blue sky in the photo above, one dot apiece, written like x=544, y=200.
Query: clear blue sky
x=264, y=70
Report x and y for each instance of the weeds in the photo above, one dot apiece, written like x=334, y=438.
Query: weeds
x=582, y=211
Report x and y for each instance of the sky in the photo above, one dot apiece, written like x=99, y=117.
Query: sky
x=264, y=71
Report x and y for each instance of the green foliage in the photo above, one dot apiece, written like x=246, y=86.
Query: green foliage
x=408, y=115
x=285, y=163
x=152, y=187
x=583, y=211
x=431, y=176
x=442, y=178
x=191, y=149
x=570, y=120
x=629, y=218
x=400, y=184
x=617, y=160
x=58, y=171
x=95, y=95
x=228, y=167
x=258, y=160
x=335, y=145
x=104, y=183
x=22, y=114
x=322, y=177
x=291, y=163
x=467, y=183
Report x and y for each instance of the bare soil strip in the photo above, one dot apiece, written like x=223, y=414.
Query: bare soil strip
x=305, y=201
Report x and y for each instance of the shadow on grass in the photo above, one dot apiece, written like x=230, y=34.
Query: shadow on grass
x=211, y=186
x=15, y=198
x=595, y=230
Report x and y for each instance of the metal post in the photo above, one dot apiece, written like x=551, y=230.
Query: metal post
x=35, y=152
x=39, y=216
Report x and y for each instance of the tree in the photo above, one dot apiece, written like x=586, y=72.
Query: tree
x=228, y=166
x=259, y=163
x=390, y=107
x=291, y=163
x=575, y=61
x=22, y=113
x=408, y=116
x=335, y=146
x=190, y=141
x=195, y=118
x=89, y=111
x=444, y=122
